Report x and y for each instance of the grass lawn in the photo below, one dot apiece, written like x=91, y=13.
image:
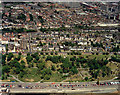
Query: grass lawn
x=31, y=75
x=106, y=78
x=75, y=79
x=99, y=57
x=11, y=80
x=55, y=77
x=90, y=56
x=112, y=66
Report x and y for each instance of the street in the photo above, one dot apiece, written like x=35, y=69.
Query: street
x=64, y=87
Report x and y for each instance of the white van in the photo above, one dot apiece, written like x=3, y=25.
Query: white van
x=4, y=90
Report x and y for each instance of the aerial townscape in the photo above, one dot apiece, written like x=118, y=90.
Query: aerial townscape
x=60, y=42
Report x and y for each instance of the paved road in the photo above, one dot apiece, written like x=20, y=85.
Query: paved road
x=64, y=87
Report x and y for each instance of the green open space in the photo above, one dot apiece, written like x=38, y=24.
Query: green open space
x=55, y=68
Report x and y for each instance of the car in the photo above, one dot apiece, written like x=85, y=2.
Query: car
x=78, y=85
x=94, y=84
x=19, y=85
x=60, y=84
x=116, y=82
x=2, y=85
x=26, y=87
x=7, y=85
x=73, y=89
x=3, y=89
x=101, y=83
x=108, y=83
x=105, y=83
x=7, y=90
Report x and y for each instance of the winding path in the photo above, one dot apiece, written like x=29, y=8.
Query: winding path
x=16, y=78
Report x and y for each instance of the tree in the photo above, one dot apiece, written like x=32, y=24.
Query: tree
x=41, y=19
x=42, y=53
x=17, y=70
x=74, y=70
x=83, y=60
x=31, y=65
x=108, y=71
x=77, y=64
x=56, y=53
x=103, y=74
x=115, y=53
x=47, y=77
x=5, y=69
x=72, y=59
x=68, y=35
x=22, y=17
x=3, y=59
x=97, y=53
x=4, y=76
x=22, y=62
x=53, y=67
x=37, y=57
x=96, y=66
x=6, y=48
x=18, y=58
x=17, y=64
x=41, y=66
x=20, y=53
x=55, y=59
x=29, y=58
x=107, y=53
x=95, y=74
x=116, y=49
x=48, y=71
x=22, y=65
x=28, y=54
x=51, y=53
x=105, y=62
x=61, y=71
x=103, y=53
x=35, y=61
x=31, y=17
x=78, y=59
x=51, y=7
x=98, y=81
x=37, y=38
x=21, y=74
x=86, y=78
x=48, y=58
x=14, y=63
x=10, y=55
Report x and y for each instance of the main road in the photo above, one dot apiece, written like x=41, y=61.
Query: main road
x=63, y=87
